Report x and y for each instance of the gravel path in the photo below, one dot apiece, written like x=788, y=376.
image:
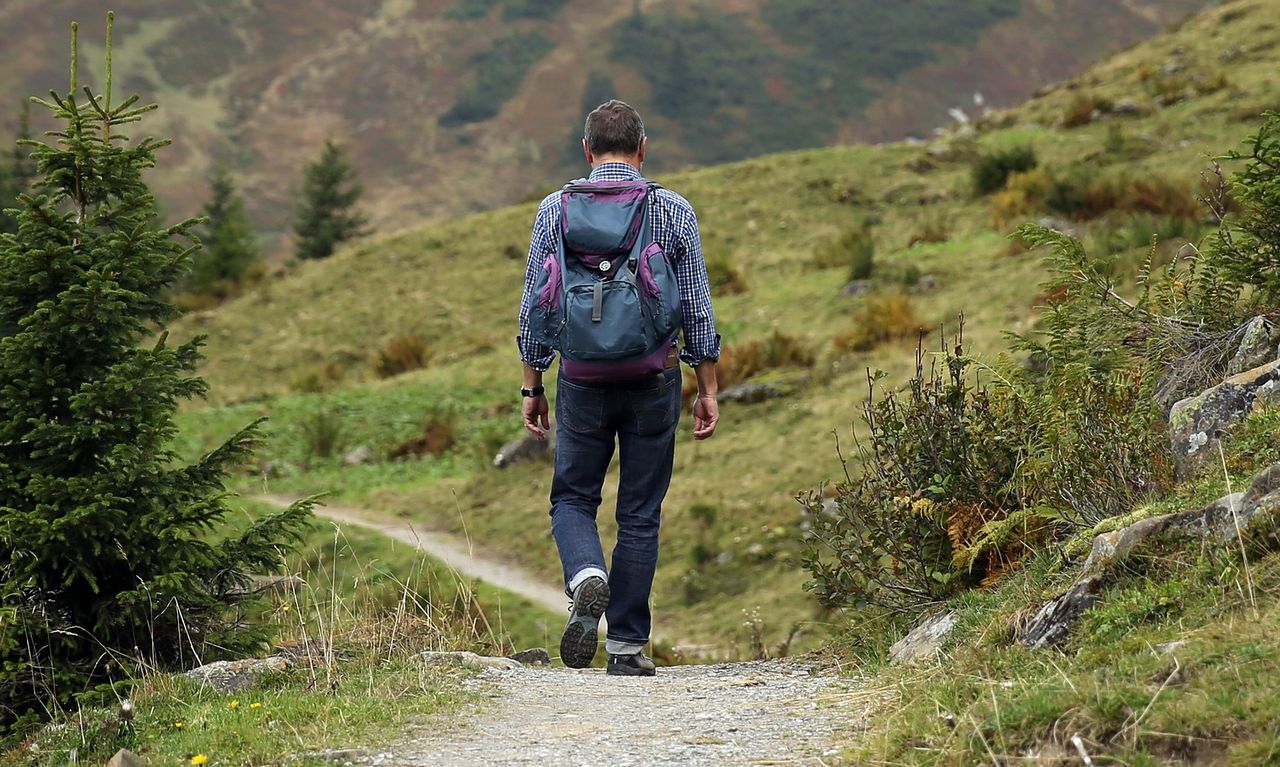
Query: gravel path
x=757, y=713
x=446, y=549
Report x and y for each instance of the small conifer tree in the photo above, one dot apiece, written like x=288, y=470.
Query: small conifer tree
x=112, y=552
x=327, y=216
x=228, y=239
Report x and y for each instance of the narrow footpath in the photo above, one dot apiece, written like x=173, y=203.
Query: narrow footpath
x=445, y=549
x=777, y=712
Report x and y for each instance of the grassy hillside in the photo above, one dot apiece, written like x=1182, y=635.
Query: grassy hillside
x=452, y=106
x=1120, y=150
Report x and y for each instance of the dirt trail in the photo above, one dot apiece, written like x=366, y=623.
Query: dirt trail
x=754, y=713
x=446, y=549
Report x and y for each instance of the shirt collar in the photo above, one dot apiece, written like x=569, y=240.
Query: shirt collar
x=614, y=171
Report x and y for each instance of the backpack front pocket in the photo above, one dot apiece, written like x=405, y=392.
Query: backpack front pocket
x=605, y=322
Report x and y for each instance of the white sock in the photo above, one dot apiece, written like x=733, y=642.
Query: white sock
x=583, y=574
x=614, y=647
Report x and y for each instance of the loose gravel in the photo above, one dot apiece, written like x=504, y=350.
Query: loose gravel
x=754, y=713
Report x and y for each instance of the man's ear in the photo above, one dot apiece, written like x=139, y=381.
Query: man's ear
x=586, y=152
x=644, y=145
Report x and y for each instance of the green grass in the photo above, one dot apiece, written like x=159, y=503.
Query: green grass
x=289, y=718
x=455, y=283
x=1178, y=663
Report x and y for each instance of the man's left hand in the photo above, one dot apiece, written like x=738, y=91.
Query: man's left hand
x=537, y=415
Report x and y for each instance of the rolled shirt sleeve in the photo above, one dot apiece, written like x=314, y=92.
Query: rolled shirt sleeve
x=701, y=341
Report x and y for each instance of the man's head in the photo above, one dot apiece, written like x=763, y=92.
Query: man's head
x=614, y=133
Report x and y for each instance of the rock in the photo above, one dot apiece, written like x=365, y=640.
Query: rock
x=1251, y=513
x=924, y=641
x=1062, y=225
x=1197, y=423
x=535, y=656
x=469, y=659
x=856, y=288
x=227, y=676
x=526, y=448
x=1052, y=623
x=927, y=283
x=358, y=456
x=749, y=393
x=126, y=758
x=1127, y=109
x=1257, y=347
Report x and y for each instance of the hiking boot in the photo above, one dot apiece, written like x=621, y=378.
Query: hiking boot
x=578, y=645
x=638, y=664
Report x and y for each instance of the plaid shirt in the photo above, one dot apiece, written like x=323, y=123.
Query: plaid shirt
x=675, y=228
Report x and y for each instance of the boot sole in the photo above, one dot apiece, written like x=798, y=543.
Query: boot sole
x=579, y=643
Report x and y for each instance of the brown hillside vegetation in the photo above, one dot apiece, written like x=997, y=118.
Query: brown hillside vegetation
x=261, y=86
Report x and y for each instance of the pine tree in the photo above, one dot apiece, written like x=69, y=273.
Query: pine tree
x=228, y=239
x=110, y=547
x=327, y=216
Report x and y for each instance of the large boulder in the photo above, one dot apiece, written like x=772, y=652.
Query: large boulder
x=1197, y=423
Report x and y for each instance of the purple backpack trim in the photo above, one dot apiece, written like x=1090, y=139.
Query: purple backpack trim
x=616, y=371
x=645, y=270
x=551, y=291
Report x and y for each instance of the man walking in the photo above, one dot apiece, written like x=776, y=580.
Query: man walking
x=637, y=414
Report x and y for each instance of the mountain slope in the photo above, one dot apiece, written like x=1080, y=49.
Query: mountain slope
x=298, y=348
x=457, y=106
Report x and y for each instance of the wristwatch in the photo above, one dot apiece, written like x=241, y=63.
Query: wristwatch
x=534, y=392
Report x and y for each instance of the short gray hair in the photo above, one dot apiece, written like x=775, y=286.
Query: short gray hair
x=614, y=127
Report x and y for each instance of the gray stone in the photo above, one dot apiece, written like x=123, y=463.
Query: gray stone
x=126, y=758
x=856, y=288
x=1197, y=423
x=1052, y=623
x=1062, y=225
x=924, y=641
x=463, y=658
x=1250, y=513
x=534, y=656
x=927, y=283
x=227, y=676
x=1257, y=347
x=749, y=393
x=1127, y=109
x=358, y=456
x=526, y=448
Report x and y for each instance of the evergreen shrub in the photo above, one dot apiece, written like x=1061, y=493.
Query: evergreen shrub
x=113, y=554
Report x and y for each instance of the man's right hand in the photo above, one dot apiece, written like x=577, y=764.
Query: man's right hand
x=706, y=414
x=537, y=415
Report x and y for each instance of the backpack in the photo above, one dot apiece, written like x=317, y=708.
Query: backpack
x=607, y=299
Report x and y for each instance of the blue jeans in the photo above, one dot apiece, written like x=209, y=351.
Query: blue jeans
x=642, y=417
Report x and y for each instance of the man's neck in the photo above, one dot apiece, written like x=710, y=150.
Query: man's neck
x=614, y=158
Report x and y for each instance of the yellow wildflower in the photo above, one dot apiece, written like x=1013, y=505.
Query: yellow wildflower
x=234, y=705
x=255, y=705
x=199, y=759
x=179, y=725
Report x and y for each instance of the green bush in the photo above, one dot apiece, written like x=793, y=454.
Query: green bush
x=989, y=172
x=854, y=249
